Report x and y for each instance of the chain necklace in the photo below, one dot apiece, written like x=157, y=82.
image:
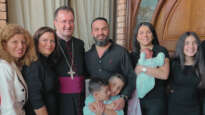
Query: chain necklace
x=71, y=72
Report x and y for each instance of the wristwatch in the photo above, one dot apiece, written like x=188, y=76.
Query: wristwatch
x=144, y=69
x=124, y=97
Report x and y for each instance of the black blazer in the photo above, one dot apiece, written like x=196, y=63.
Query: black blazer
x=42, y=85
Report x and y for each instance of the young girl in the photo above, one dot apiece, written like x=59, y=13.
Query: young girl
x=187, y=70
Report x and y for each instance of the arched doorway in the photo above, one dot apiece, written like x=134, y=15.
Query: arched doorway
x=171, y=18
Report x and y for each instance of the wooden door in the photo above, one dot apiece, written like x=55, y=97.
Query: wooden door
x=174, y=17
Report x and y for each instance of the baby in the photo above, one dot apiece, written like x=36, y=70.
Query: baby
x=145, y=82
x=92, y=105
x=148, y=53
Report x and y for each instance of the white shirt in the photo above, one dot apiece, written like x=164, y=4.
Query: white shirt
x=13, y=89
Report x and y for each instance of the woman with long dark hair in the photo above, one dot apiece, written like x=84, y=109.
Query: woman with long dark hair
x=154, y=103
x=187, y=70
x=40, y=76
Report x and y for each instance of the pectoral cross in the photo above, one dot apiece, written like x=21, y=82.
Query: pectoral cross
x=71, y=72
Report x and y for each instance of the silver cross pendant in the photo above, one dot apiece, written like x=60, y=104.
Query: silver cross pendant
x=72, y=73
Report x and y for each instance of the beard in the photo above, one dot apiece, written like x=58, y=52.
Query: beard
x=101, y=42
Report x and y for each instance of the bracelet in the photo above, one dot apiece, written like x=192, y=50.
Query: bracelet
x=144, y=69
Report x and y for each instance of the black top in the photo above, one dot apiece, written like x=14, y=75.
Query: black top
x=159, y=89
x=184, y=95
x=42, y=83
x=62, y=67
x=115, y=60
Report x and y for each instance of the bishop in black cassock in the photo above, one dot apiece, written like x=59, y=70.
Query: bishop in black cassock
x=71, y=91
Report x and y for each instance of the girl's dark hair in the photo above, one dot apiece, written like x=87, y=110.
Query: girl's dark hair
x=136, y=44
x=179, y=56
x=179, y=53
x=119, y=76
x=38, y=34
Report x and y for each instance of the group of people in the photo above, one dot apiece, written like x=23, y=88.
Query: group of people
x=179, y=82
x=45, y=74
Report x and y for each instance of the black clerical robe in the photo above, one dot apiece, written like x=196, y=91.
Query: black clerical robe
x=71, y=91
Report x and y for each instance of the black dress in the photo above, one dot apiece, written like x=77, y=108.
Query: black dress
x=42, y=83
x=155, y=102
x=184, y=95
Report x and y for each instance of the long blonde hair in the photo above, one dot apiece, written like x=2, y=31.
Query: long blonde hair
x=6, y=33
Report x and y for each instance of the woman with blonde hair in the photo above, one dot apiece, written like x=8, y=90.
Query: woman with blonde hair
x=16, y=50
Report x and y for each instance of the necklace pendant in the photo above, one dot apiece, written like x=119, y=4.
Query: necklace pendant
x=72, y=73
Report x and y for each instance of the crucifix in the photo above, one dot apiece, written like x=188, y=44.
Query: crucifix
x=71, y=72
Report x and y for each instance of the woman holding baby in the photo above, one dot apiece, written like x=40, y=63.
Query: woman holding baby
x=154, y=102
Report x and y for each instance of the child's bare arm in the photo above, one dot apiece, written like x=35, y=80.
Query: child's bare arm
x=110, y=112
x=109, y=106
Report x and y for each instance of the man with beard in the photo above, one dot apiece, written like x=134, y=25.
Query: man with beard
x=70, y=65
x=106, y=58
